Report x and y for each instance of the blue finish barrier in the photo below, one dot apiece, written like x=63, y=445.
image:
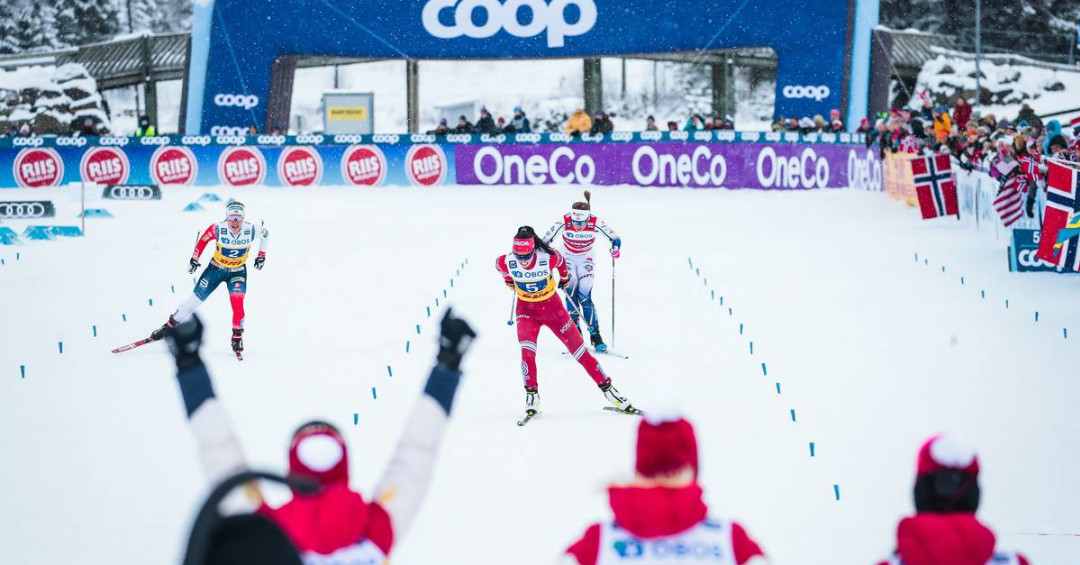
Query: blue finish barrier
x=95, y=213
x=8, y=236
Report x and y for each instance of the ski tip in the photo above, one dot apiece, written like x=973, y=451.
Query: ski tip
x=629, y=411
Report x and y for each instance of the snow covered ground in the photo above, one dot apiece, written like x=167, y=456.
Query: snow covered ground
x=874, y=350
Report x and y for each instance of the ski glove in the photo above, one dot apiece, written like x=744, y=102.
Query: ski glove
x=194, y=265
x=454, y=341
x=259, y=262
x=184, y=342
x=615, y=253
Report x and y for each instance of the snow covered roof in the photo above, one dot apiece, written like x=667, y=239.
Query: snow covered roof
x=912, y=48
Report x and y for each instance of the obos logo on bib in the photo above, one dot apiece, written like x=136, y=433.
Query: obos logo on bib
x=425, y=165
x=299, y=166
x=105, y=165
x=38, y=167
x=241, y=166
x=173, y=165
x=363, y=165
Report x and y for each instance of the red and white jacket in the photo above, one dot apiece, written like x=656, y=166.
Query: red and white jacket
x=955, y=538
x=578, y=240
x=660, y=525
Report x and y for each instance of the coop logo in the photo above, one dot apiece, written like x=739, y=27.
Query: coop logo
x=71, y=141
x=803, y=171
x=27, y=142
x=38, y=167
x=1027, y=258
x=449, y=19
x=866, y=173
x=26, y=210
x=425, y=165
x=105, y=165
x=245, y=101
x=299, y=166
x=563, y=166
x=700, y=168
x=241, y=166
x=363, y=165
x=173, y=165
x=818, y=93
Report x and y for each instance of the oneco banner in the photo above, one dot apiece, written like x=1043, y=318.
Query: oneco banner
x=770, y=166
x=695, y=165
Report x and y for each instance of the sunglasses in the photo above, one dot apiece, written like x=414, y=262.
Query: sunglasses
x=235, y=218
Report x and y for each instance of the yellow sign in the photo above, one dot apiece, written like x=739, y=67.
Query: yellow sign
x=348, y=113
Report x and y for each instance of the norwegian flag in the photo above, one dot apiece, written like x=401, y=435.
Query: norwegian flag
x=1009, y=202
x=935, y=186
x=1062, y=205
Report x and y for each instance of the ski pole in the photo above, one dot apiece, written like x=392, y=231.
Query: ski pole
x=613, y=302
x=513, y=306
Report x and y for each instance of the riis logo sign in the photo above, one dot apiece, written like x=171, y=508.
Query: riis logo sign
x=173, y=165
x=425, y=165
x=131, y=192
x=241, y=166
x=26, y=210
x=363, y=165
x=38, y=167
x=105, y=165
x=300, y=166
x=449, y=19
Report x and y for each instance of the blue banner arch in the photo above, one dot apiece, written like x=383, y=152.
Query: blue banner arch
x=235, y=43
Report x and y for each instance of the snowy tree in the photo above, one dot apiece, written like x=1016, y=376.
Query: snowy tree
x=34, y=26
x=86, y=21
x=8, y=27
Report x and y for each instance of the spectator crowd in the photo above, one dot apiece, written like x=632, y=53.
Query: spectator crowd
x=1014, y=152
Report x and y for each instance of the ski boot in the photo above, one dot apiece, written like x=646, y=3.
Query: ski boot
x=598, y=343
x=619, y=403
x=164, y=330
x=238, y=342
x=532, y=402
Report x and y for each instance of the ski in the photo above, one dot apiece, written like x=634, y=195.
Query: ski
x=131, y=346
x=239, y=355
x=609, y=353
x=528, y=418
x=628, y=411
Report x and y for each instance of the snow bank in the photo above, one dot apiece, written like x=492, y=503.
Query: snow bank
x=1007, y=83
x=50, y=99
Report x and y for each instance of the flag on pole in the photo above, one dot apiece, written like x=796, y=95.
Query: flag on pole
x=1009, y=202
x=935, y=186
x=1058, y=242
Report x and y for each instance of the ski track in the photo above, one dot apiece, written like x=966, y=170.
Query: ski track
x=873, y=348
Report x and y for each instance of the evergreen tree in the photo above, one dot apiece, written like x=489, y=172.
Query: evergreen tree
x=34, y=26
x=8, y=27
x=79, y=22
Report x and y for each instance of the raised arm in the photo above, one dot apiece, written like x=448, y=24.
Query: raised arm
x=406, y=479
x=209, y=235
x=219, y=450
x=264, y=245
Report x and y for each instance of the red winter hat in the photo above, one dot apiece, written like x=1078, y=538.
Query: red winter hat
x=665, y=445
x=318, y=452
x=524, y=245
x=946, y=452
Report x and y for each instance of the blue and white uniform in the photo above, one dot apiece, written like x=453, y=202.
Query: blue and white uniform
x=577, y=232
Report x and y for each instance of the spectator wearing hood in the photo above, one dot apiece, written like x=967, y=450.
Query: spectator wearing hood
x=834, y=117
x=146, y=128
x=334, y=524
x=672, y=126
x=486, y=124
x=696, y=122
x=942, y=124
x=579, y=123
x=442, y=129
x=864, y=126
x=962, y=112
x=661, y=515
x=87, y=126
x=1028, y=115
x=806, y=125
x=1053, y=128
x=650, y=124
x=601, y=124
x=463, y=125
x=25, y=130
x=520, y=122
x=944, y=529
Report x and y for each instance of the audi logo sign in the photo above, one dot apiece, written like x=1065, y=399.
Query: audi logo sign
x=131, y=192
x=25, y=210
x=818, y=93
